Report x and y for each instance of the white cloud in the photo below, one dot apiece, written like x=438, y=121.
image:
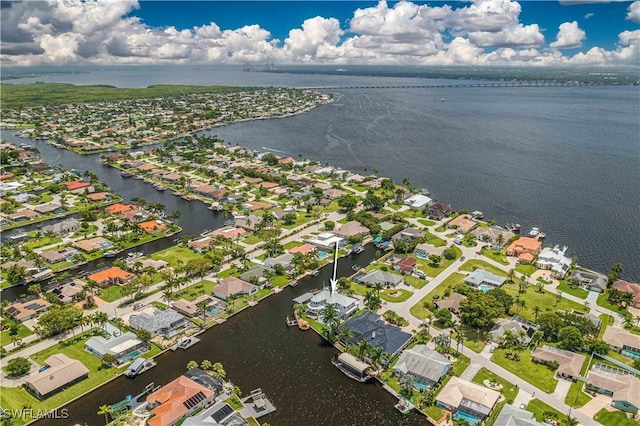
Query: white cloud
x=634, y=12
x=482, y=32
x=569, y=36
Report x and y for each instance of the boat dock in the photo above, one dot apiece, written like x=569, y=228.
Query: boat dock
x=185, y=343
x=291, y=322
x=139, y=366
x=256, y=405
x=131, y=402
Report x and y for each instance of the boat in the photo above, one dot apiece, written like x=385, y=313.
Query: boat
x=357, y=248
x=352, y=367
x=356, y=267
x=442, y=100
x=534, y=232
x=159, y=187
x=133, y=255
x=215, y=206
x=403, y=406
x=315, y=273
x=185, y=342
x=294, y=283
x=110, y=253
x=139, y=366
x=205, y=232
x=541, y=235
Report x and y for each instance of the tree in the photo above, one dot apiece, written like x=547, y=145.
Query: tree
x=289, y=219
x=373, y=202
x=536, y=311
x=504, y=298
x=105, y=410
x=206, y=365
x=144, y=335
x=364, y=347
x=598, y=346
x=192, y=364
x=347, y=202
x=377, y=355
x=550, y=323
x=614, y=273
x=449, y=253
x=480, y=310
x=570, y=338
x=17, y=367
x=435, y=260
x=372, y=301
x=34, y=289
x=330, y=319
x=444, y=316
x=217, y=371
x=570, y=421
x=15, y=274
x=406, y=385
x=108, y=359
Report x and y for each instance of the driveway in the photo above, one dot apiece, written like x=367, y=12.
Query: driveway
x=596, y=404
x=562, y=388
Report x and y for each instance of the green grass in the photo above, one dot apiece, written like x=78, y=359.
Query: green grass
x=538, y=375
x=252, y=239
x=546, y=300
x=45, y=241
x=472, y=264
x=412, y=213
x=424, y=265
x=602, y=301
x=460, y=365
x=301, y=219
x=447, y=284
x=525, y=269
x=426, y=222
x=614, y=418
x=434, y=412
x=400, y=295
x=496, y=255
x=279, y=281
x=5, y=338
x=194, y=290
x=607, y=320
x=433, y=240
x=176, y=255
x=574, y=291
x=472, y=341
x=111, y=293
x=575, y=397
x=538, y=407
x=509, y=390
x=415, y=281
x=234, y=402
x=292, y=244
x=19, y=398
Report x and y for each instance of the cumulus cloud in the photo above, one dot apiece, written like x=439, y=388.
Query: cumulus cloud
x=569, y=36
x=482, y=32
x=633, y=13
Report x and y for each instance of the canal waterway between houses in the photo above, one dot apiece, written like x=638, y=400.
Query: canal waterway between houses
x=256, y=347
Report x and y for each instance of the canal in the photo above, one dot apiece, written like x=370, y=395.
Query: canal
x=256, y=347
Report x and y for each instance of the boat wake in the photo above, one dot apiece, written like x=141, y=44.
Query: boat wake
x=274, y=150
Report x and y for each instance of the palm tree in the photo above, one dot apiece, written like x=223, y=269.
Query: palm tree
x=536, y=311
x=570, y=421
x=364, y=348
x=377, y=355
x=106, y=410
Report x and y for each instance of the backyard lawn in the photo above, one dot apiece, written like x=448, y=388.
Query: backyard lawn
x=538, y=375
x=252, y=239
x=546, y=300
x=614, y=418
x=279, y=280
x=472, y=264
x=111, y=293
x=176, y=255
x=194, y=290
x=509, y=390
x=574, y=291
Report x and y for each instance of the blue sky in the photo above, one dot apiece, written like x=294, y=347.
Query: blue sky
x=475, y=32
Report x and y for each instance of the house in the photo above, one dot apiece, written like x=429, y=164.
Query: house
x=593, y=281
x=344, y=305
x=77, y=185
x=165, y=323
x=325, y=240
x=93, y=244
x=190, y=308
x=232, y=286
x=519, y=329
x=249, y=223
x=61, y=373
x=483, y=279
x=69, y=292
x=205, y=379
x=152, y=226
x=424, y=250
x=417, y=201
x=219, y=413
x=201, y=244
x=176, y=400
x=463, y=223
x=468, y=398
x=524, y=246
x=375, y=330
x=513, y=416
x=110, y=276
x=47, y=208
x=624, y=389
x=63, y=227
x=377, y=276
x=333, y=193
x=119, y=209
x=303, y=249
x=59, y=255
x=621, y=340
x=408, y=234
x=352, y=229
x=230, y=232
x=405, y=265
x=99, y=196
x=123, y=347
x=256, y=205
x=555, y=260
x=156, y=265
x=452, y=303
x=257, y=272
x=23, y=311
x=22, y=215
x=627, y=287
x=284, y=259
x=494, y=234
x=427, y=367
x=569, y=363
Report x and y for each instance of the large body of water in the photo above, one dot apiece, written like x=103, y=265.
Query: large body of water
x=564, y=159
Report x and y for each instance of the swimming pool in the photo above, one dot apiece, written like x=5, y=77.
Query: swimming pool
x=132, y=355
x=213, y=311
x=484, y=288
x=468, y=417
x=631, y=353
x=322, y=254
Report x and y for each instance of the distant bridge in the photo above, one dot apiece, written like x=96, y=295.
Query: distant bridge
x=459, y=85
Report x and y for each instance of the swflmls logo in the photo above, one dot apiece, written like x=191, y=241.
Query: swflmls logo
x=31, y=414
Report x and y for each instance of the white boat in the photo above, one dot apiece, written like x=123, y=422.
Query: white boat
x=443, y=100
x=110, y=253
x=534, y=232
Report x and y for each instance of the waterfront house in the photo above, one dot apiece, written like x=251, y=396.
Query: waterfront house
x=205, y=379
x=352, y=229
x=229, y=232
x=93, y=244
x=513, y=416
x=48, y=208
x=156, y=265
x=408, y=234
x=377, y=276
x=374, y=329
x=23, y=311
x=628, y=287
x=622, y=341
x=257, y=273
x=77, y=185
x=622, y=387
x=249, y=222
x=303, y=249
x=569, y=363
x=525, y=248
x=426, y=366
x=165, y=323
x=492, y=234
x=593, y=281
x=61, y=372
x=284, y=259
x=176, y=400
x=152, y=226
x=201, y=244
x=345, y=306
x=463, y=223
x=190, y=308
x=482, y=279
x=219, y=413
x=99, y=196
x=325, y=240
x=22, y=215
x=424, y=250
x=417, y=201
x=63, y=227
x=69, y=292
x=59, y=255
x=467, y=399
x=452, y=303
x=123, y=347
x=232, y=286
x=110, y=276
x=405, y=265
x=119, y=209
x=555, y=260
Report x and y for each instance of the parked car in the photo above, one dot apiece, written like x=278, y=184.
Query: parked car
x=138, y=306
x=523, y=406
x=493, y=349
x=462, y=258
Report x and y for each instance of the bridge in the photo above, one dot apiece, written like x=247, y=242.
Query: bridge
x=461, y=85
